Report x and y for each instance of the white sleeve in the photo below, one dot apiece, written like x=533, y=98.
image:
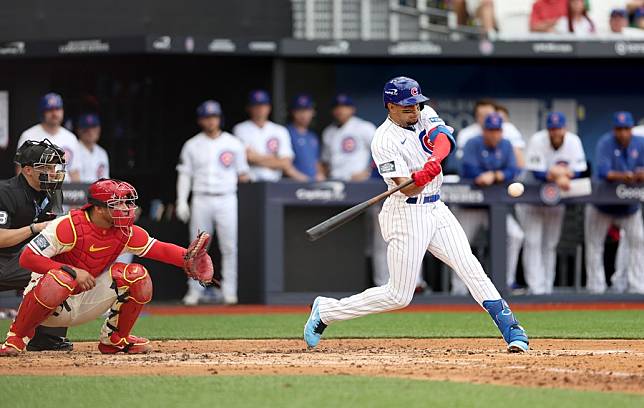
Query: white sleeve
x=535, y=158
x=75, y=160
x=579, y=159
x=430, y=118
x=513, y=135
x=285, y=149
x=185, y=160
x=107, y=165
x=241, y=164
x=238, y=131
x=325, y=156
x=21, y=140
x=388, y=159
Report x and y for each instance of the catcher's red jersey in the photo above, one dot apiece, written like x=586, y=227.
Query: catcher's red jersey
x=74, y=240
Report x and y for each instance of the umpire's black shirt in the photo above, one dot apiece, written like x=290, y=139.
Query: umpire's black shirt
x=20, y=206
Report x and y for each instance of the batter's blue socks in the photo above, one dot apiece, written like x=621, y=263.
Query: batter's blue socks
x=508, y=325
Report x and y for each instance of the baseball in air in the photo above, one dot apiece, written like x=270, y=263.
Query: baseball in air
x=515, y=189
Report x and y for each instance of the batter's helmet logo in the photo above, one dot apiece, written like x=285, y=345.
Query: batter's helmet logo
x=348, y=144
x=226, y=158
x=273, y=145
x=414, y=91
x=425, y=142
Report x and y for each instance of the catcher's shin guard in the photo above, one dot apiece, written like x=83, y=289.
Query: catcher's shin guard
x=52, y=290
x=133, y=288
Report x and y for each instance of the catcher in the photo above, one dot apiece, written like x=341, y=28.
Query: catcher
x=75, y=279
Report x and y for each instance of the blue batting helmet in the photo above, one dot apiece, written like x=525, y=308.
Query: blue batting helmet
x=402, y=91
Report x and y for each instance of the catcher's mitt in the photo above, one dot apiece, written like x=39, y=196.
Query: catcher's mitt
x=197, y=263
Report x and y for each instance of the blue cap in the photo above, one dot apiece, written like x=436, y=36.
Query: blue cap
x=209, y=108
x=342, y=99
x=88, y=120
x=555, y=120
x=302, y=101
x=639, y=12
x=618, y=13
x=493, y=121
x=402, y=91
x=259, y=97
x=51, y=101
x=623, y=119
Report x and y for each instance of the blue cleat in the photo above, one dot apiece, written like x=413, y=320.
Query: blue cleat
x=314, y=327
x=512, y=332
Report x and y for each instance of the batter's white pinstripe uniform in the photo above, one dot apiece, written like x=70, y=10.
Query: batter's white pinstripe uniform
x=411, y=229
x=542, y=224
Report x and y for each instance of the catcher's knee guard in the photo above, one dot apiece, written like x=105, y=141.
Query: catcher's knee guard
x=50, y=292
x=133, y=288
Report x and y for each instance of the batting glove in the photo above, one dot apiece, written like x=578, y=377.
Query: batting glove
x=433, y=167
x=421, y=177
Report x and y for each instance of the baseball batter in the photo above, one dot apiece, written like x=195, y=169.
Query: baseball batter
x=52, y=114
x=211, y=164
x=555, y=156
x=619, y=159
x=411, y=143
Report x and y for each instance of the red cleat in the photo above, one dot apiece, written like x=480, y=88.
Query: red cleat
x=130, y=345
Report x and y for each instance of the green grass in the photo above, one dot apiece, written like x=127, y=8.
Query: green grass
x=287, y=391
x=625, y=324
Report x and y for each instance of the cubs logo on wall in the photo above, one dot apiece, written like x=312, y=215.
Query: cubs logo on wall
x=226, y=158
x=427, y=144
x=348, y=144
x=273, y=145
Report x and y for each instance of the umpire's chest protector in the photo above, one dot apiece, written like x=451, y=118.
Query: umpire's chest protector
x=94, y=249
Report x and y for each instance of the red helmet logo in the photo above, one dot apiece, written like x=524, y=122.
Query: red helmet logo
x=414, y=91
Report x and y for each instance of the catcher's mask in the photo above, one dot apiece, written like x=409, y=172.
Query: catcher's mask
x=118, y=197
x=47, y=160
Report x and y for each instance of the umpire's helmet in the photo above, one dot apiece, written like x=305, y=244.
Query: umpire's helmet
x=402, y=91
x=47, y=159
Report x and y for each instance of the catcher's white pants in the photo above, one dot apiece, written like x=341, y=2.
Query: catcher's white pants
x=472, y=219
x=596, y=225
x=542, y=227
x=218, y=213
x=83, y=307
x=411, y=230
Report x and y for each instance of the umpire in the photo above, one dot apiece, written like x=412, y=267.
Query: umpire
x=26, y=204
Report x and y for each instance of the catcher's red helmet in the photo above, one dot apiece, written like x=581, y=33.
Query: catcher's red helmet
x=116, y=195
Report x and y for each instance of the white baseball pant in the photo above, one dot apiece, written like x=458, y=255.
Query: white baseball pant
x=542, y=228
x=411, y=230
x=596, y=225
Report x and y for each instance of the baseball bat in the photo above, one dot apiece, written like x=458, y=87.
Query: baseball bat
x=338, y=220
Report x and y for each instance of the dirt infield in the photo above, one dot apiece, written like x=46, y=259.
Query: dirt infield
x=602, y=365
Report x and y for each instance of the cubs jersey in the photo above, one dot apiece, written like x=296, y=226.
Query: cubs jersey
x=271, y=139
x=345, y=148
x=94, y=163
x=540, y=155
x=64, y=139
x=399, y=151
x=214, y=164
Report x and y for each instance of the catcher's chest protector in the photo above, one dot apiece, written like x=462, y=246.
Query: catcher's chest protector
x=95, y=248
